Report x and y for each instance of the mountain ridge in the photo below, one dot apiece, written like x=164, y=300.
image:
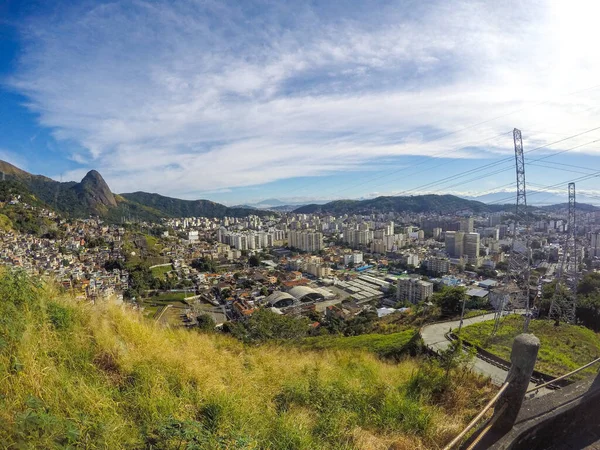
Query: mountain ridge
x=92, y=197
x=417, y=203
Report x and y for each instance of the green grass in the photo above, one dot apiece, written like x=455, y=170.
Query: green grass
x=161, y=272
x=476, y=312
x=562, y=348
x=76, y=375
x=5, y=223
x=385, y=345
x=169, y=297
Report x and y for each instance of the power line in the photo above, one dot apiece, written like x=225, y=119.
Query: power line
x=450, y=133
x=477, y=178
x=497, y=163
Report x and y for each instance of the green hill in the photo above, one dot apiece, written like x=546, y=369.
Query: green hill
x=174, y=207
x=93, y=197
x=101, y=376
x=563, y=348
x=442, y=204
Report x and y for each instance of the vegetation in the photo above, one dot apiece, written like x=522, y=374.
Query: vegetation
x=392, y=345
x=254, y=261
x=92, y=196
x=265, y=325
x=78, y=375
x=161, y=271
x=173, y=207
x=450, y=299
x=418, y=203
x=206, y=322
x=562, y=349
x=5, y=223
x=204, y=265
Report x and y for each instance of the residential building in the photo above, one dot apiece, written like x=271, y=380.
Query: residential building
x=355, y=258
x=466, y=225
x=414, y=290
x=438, y=266
x=307, y=241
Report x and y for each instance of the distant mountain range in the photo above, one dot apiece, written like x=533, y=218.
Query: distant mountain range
x=274, y=204
x=442, y=204
x=93, y=197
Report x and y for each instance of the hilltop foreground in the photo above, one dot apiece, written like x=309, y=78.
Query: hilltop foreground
x=101, y=376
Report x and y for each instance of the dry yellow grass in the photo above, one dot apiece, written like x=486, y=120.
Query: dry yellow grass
x=79, y=375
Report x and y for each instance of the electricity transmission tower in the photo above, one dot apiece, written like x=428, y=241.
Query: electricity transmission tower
x=515, y=292
x=564, y=302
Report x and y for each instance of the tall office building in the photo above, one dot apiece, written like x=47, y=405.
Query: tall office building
x=466, y=225
x=454, y=243
x=459, y=244
x=471, y=248
x=595, y=244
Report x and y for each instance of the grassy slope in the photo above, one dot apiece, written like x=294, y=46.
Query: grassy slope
x=77, y=375
x=5, y=223
x=380, y=344
x=161, y=272
x=562, y=349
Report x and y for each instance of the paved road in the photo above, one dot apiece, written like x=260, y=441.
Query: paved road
x=434, y=336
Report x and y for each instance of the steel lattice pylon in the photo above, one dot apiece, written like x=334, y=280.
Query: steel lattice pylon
x=564, y=302
x=515, y=292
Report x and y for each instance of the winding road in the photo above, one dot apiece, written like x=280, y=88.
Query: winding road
x=434, y=337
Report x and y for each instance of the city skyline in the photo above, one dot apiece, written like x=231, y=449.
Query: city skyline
x=239, y=104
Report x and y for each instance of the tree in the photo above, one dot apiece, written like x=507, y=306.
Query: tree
x=392, y=290
x=254, y=261
x=265, y=325
x=204, y=265
x=113, y=264
x=454, y=356
x=450, y=299
x=589, y=284
x=206, y=322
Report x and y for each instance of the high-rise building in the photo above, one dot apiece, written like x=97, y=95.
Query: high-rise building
x=454, y=243
x=307, y=241
x=354, y=258
x=471, y=248
x=378, y=246
x=494, y=220
x=438, y=266
x=357, y=238
x=595, y=244
x=459, y=244
x=493, y=232
x=414, y=290
x=466, y=225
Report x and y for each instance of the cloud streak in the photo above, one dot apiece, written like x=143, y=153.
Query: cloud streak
x=188, y=97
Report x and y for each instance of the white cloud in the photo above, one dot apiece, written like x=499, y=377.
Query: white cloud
x=179, y=98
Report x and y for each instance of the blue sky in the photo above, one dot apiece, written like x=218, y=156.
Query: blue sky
x=242, y=101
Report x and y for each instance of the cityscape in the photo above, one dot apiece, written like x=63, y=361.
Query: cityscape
x=299, y=225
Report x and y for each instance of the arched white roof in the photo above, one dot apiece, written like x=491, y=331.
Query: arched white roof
x=278, y=295
x=300, y=292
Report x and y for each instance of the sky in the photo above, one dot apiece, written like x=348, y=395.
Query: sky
x=239, y=102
